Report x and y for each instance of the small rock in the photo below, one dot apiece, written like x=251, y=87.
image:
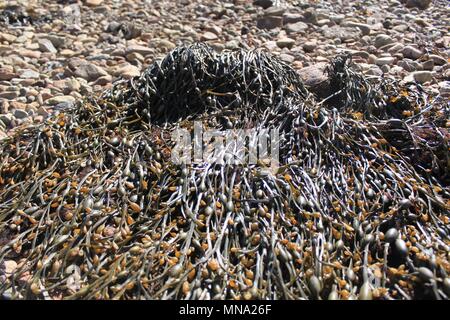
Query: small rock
x=20, y=114
x=444, y=88
x=263, y=3
x=103, y=80
x=365, y=28
x=382, y=40
x=342, y=33
x=94, y=3
x=428, y=65
x=310, y=15
x=287, y=57
x=375, y=71
x=296, y=27
x=56, y=40
x=438, y=60
x=89, y=71
x=285, y=43
x=60, y=99
x=292, y=18
x=42, y=111
x=422, y=76
x=421, y=4
x=46, y=45
x=385, y=61
x=6, y=119
x=165, y=44
x=309, y=46
x=72, y=84
x=315, y=79
x=7, y=37
x=139, y=49
x=6, y=74
x=411, y=52
x=29, y=74
x=127, y=71
x=208, y=36
x=269, y=22
x=10, y=95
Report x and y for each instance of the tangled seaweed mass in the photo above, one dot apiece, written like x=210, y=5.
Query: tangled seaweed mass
x=92, y=207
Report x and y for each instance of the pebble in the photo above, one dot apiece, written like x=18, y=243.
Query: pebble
x=46, y=45
x=382, y=40
x=438, y=60
x=263, y=3
x=411, y=52
x=20, y=114
x=285, y=43
x=208, y=36
x=89, y=71
x=29, y=74
x=143, y=50
x=422, y=76
x=385, y=61
x=365, y=28
x=60, y=99
x=309, y=46
x=269, y=22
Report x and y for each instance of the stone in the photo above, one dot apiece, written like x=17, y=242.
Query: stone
x=165, y=44
x=288, y=58
x=102, y=81
x=444, y=88
x=143, y=50
x=309, y=46
x=310, y=15
x=422, y=76
x=72, y=84
x=46, y=45
x=428, y=65
x=342, y=33
x=275, y=11
x=6, y=74
x=263, y=3
x=42, y=111
x=9, y=95
x=421, y=4
x=411, y=52
x=7, y=37
x=6, y=119
x=94, y=3
x=365, y=28
x=34, y=54
x=315, y=79
x=438, y=60
x=382, y=40
x=127, y=71
x=292, y=18
x=208, y=36
x=29, y=74
x=60, y=99
x=56, y=40
x=296, y=27
x=374, y=71
x=89, y=71
x=20, y=114
x=385, y=61
x=285, y=43
x=269, y=22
